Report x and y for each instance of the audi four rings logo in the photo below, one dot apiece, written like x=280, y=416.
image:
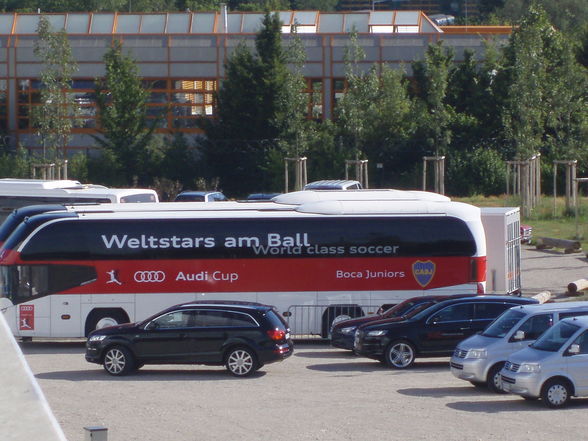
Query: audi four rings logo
x=149, y=276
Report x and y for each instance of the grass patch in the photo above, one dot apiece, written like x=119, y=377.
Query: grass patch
x=546, y=220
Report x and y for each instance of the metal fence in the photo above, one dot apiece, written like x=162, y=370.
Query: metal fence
x=315, y=321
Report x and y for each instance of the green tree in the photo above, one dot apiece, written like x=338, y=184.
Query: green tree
x=122, y=103
x=15, y=164
x=260, y=109
x=431, y=84
x=567, y=16
x=543, y=92
x=361, y=90
x=180, y=162
x=582, y=49
x=480, y=171
x=314, y=5
x=376, y=118
x=54, y=117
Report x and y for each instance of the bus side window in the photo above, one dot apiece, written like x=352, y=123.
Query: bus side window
x=39, y=280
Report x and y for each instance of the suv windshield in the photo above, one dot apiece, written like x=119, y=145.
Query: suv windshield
x=503, y=324
x=554, y=338
x=403, y=308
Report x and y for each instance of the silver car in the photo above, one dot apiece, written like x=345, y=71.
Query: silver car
x=554, y=368
x=479, y=358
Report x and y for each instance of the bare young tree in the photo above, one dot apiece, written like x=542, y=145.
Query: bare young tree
x=54, y=117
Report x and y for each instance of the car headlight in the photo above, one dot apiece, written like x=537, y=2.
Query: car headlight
x=477, y=353
x=348, y=330
x=376, y=333
x=97, y=338
x=530, y=367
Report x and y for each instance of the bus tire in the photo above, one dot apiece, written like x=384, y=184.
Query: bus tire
x=103, y=317
x=337, y=313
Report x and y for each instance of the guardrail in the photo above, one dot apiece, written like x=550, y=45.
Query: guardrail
x=315, y=321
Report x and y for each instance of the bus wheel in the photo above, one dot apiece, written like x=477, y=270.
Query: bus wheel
x=102, y=317
x=118, y=360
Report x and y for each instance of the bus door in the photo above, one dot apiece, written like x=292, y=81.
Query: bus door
x=29, y=315
x=66, y=317
x=40, y=310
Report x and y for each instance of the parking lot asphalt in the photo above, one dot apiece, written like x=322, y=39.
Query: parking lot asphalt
x=551, y=270
x=320, y=393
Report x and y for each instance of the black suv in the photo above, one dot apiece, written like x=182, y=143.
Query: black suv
x=433, y=332
x=342, y=333
x=240, y=335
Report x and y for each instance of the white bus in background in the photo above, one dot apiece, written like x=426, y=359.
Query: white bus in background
x=308, y=259
x=16, y=193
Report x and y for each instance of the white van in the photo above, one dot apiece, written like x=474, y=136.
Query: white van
x=479, y=358
x=554, y=368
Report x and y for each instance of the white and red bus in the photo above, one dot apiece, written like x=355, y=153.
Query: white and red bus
x=63, y=274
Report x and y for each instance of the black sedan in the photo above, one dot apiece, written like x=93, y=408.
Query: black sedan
x=241, y=336
x=433, y=332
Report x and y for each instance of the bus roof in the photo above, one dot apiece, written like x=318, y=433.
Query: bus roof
x=332, y=207
x=10, y=185
x=285, y=202
x=305, y=196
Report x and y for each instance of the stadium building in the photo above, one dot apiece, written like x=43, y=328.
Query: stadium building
x=181, y=57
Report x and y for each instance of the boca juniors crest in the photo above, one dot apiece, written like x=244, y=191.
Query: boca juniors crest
x=423, y=272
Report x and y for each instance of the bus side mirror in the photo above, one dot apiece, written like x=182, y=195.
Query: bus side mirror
x=519, y=335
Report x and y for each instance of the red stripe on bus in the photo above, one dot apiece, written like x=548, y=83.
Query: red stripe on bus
x=283, y=275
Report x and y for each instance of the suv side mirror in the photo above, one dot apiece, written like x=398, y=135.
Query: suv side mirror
x=574, y=349
x=519, y=335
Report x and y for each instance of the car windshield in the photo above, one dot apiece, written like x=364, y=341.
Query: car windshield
x=554, y=338
x=503, y=324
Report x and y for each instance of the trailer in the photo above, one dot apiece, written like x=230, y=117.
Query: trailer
x=503, y=249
